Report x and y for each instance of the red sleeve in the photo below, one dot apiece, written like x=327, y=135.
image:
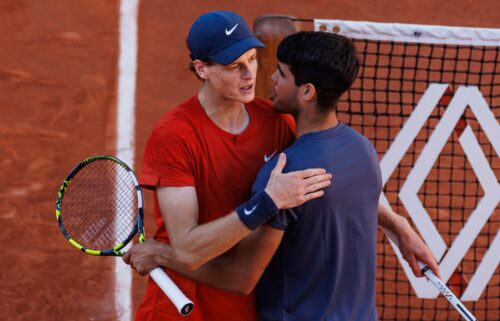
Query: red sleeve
x=167, y=160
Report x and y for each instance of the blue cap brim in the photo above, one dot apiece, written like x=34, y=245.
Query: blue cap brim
x=233, y=52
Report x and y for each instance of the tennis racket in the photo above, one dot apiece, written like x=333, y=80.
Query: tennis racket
x=99, y=209
x=455, y=302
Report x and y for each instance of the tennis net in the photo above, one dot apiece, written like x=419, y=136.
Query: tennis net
x=428, y=97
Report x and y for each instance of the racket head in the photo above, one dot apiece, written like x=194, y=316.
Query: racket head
x=99, y=206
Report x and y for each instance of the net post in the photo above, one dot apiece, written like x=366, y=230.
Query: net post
x=270, y=29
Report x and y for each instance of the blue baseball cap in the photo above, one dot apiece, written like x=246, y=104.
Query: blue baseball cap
x=221, y=37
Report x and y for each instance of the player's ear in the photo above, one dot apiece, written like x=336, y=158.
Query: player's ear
x=201, y=68
x=307, y=92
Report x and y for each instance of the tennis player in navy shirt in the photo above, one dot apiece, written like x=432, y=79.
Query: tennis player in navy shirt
x=324, y=268
x=325, y=265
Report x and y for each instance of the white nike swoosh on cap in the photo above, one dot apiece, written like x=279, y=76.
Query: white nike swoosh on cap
x=229, y=32
x=267, y=158
x=248, y=212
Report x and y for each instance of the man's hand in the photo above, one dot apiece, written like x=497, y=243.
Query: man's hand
x=413, y=248
x=410, y=244
x=143, y=257
x=295, y=188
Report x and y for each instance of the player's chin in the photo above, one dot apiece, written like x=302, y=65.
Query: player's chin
x=246, y=98
x=247, y=93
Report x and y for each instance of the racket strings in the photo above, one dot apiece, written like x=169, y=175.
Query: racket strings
x=99, y=208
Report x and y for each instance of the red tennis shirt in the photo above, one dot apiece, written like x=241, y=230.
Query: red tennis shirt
x=187, y=149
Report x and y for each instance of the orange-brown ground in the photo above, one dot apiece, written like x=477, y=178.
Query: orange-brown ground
x=58, y=74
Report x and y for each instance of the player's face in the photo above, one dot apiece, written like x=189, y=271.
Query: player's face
x=285, y=91
x=235, y=81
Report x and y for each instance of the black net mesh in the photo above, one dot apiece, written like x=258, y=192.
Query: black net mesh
x=393, y=79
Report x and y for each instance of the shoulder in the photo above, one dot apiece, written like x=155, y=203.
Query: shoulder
x=361, y=144
x=171, y=137
x=177, y=122
x=355, y=136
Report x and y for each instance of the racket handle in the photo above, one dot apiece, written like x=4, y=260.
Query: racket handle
x=455, y=302
x=466, y=314
x=181, y=302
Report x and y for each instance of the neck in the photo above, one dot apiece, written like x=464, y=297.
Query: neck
x=229, y=115
x=315, y=122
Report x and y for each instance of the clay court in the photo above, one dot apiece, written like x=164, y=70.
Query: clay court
x=58, y=99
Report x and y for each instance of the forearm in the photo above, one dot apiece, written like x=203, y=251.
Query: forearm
x=410, y=244
x=237, y=271
x=195, y=244
x=396, y=224
x=390, y=220
x=222, y=272
x=204, y=242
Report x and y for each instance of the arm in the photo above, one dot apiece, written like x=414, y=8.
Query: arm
x=410, y=244
x=193, y=244
x=237, y=272
x=241, y=270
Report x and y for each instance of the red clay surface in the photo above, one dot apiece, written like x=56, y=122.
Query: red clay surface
x=58, y=74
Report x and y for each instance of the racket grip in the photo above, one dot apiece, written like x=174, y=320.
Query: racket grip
x=464, y=312
x=445, y=291
x=181, y=302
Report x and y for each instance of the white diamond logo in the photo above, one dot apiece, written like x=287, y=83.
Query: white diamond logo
x=465, y=96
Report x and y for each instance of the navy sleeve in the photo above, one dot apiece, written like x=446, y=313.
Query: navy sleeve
x=281, y=220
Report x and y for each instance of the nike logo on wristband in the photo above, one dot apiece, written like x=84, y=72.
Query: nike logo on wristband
x=248, y=212
x=229, y=32
x=267, y=158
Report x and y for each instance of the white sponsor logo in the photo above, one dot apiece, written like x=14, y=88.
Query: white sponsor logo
x=267, y=158
x=451, y=257
x=248, y=212
x=229, y=32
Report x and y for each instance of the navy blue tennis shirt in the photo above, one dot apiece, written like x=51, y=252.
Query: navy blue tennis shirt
x=325, y=266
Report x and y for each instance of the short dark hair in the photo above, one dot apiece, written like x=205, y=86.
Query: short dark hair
x=327, y=60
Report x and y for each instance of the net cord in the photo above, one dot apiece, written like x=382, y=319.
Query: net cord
x=411, y=32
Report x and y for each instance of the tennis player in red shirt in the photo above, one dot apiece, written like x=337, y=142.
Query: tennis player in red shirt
x=201, y=160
